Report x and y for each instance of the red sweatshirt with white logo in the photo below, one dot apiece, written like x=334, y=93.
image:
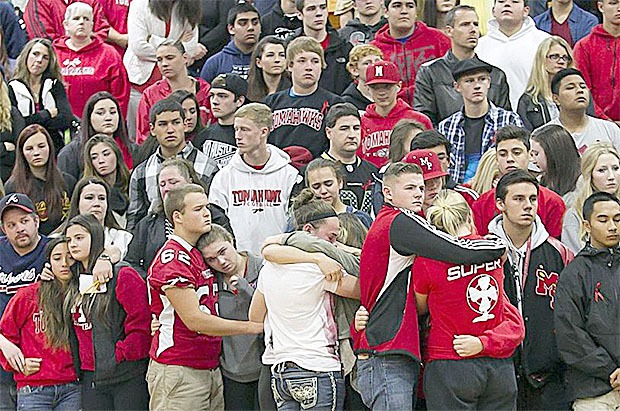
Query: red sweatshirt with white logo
x=376, y=130
x=22, y=324
x=95, y=67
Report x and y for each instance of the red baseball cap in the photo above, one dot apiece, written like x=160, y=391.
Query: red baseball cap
x=428, y=162
x=382, y=72
x=300, y=156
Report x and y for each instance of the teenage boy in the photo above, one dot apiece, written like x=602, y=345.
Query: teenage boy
x=567, y=20
x=586, y=310
x=435, y=141
x=408, y=43
x=470, y=130
x=172, y=63
x=343, y=130
x=362, y=29
x=572, y=96
x=388, y=348
x=313, y=14
x=596, y=57
x=358, y=92
x=511, y=44
x=434, y=94
x=255, y=187
x=513, y=147
x=227, y=94
x=244, y=27
x=299, y=112
x=434, y=175
x=183, y=297
x=167, y=126
x=383, y=80
x=535, y=260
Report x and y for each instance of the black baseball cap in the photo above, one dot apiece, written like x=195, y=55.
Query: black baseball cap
x=469, y=66
x=18, y=200
x=231, y=82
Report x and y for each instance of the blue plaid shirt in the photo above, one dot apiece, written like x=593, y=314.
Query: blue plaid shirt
x=452, y=128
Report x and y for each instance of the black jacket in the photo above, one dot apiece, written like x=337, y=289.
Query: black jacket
x=276, y=23
x=540, y=265
x=535, y=115
x=212, y=31
x=587, y=320
x=335, y=77
x=7, y=158
x=436, y=97
x=107, y=370
x=352, y=95
x=356, y=32
x=151, y=233
x=21, y=97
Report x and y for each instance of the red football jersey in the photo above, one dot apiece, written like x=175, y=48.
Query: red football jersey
x=179, y=264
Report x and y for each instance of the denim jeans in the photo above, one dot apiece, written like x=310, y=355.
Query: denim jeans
x=50, y=397
x=388, y=382
x=8, y=393
x=295, y=388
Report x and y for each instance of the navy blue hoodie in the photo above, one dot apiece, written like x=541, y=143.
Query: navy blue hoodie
x=229, y=60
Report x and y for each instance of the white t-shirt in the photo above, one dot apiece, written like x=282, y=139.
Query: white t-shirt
x=596, y=131
x=118, y=238
x=300, y=315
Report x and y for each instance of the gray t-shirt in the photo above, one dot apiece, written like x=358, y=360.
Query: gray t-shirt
x=596, y=131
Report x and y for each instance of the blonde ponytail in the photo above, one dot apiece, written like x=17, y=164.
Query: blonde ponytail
x=449, y=212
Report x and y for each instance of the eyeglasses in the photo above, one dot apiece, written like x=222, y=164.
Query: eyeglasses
x=558, y=57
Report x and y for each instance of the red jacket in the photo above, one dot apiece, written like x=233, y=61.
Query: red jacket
x=426, y=43
x=96, y=67
x=596, y=55
x=395, y=238
x=44, y=18
x=376, y=130
x=551, y=210
x=22, y=324
x=160, y=90
x=468, y=300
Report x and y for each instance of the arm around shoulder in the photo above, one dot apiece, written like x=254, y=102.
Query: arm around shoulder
x=186, y=304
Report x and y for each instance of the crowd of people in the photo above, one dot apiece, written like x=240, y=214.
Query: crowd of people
x=309, y=204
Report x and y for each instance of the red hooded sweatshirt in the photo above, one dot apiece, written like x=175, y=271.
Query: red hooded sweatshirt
x=376, y=130
x=44, y=18
x=596, y=55
x=95, y=67
x=22, y=324
x=159, y=91
x=551, y=210
x=426, y=43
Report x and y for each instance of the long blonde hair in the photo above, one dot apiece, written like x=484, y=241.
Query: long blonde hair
x=6, y=122
x=585, y=187
x=449, y=212
x=486, y=173
x=539, y=84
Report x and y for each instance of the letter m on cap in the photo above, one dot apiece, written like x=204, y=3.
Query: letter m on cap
x=378, y=71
